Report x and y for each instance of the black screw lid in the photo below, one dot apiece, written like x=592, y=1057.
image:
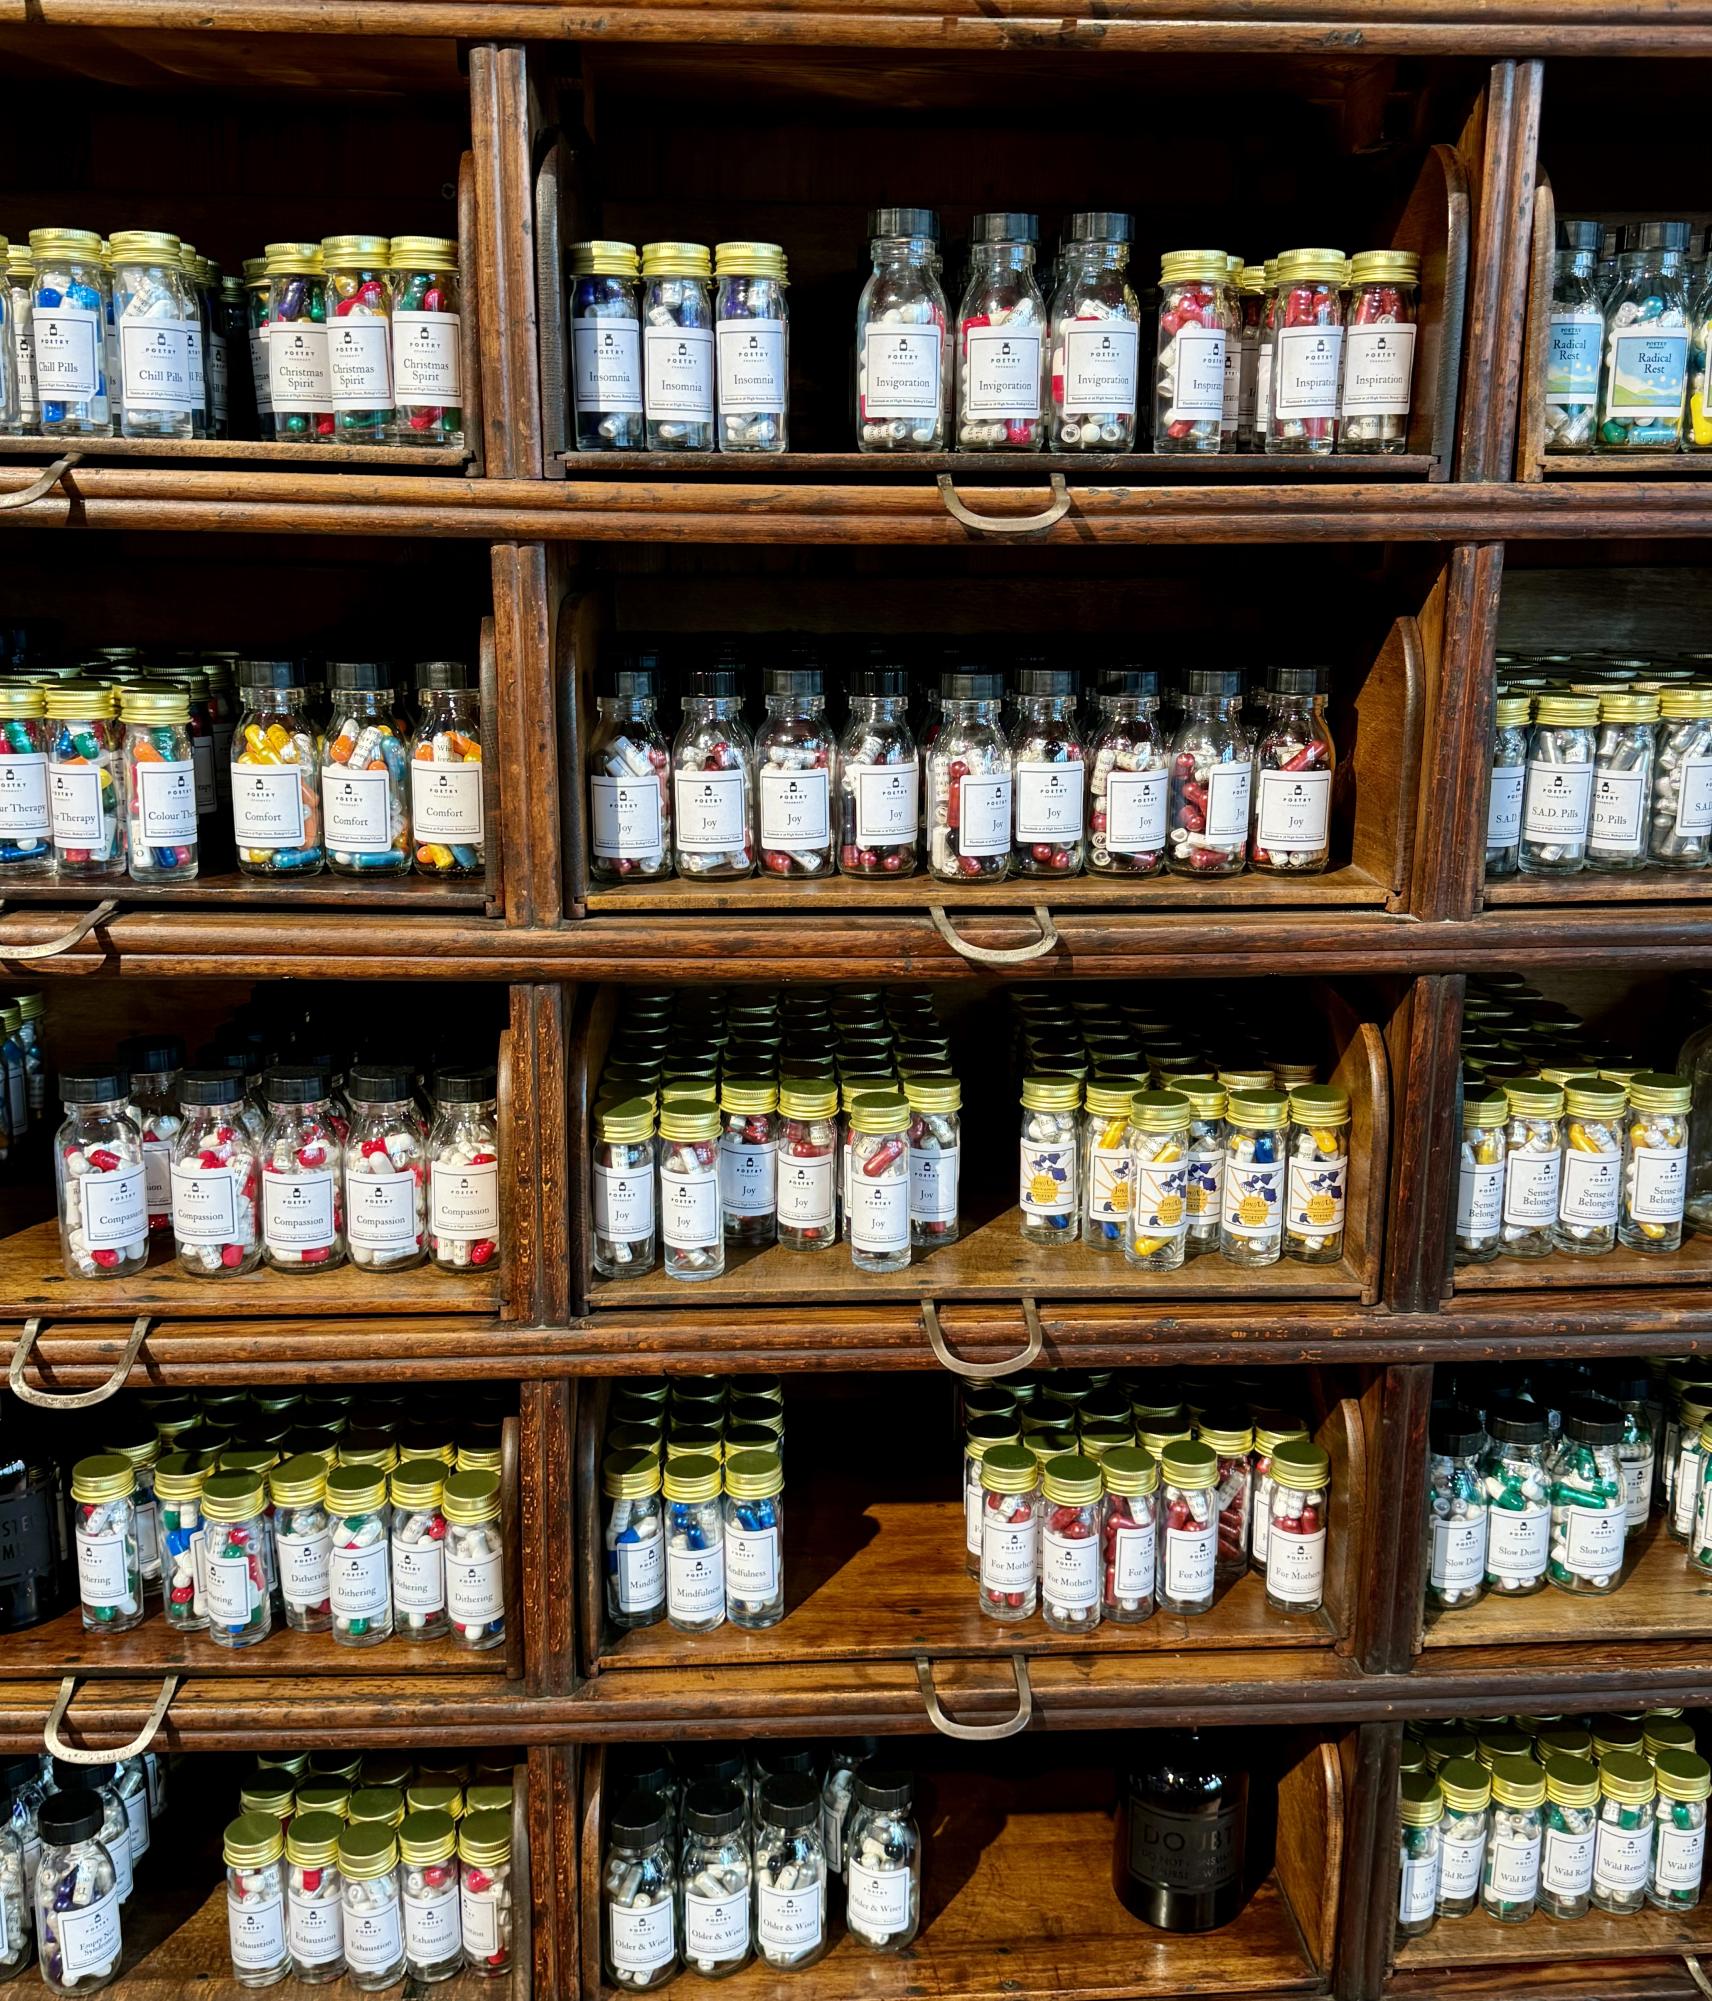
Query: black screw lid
x=979, y=687
x=1657, y=236
x=1576, y=233
x=271, y=674
x=1593, y=1421
x=772, y=1761
x=714, y=1809
x=890, y=1791
x=1215, y=681
x=1046, y=681
x=211, y=1087
x=1005, y=226
x=1099, y=225
x=1513, y=1422
x=1131, y=681
x=1455, y=1430
x=152, y=1053
x=16, y=1772
x=351, y=674
x=216, y=1058
x=465, y=1087
x=72, y=1815
x=1294, y=680
x=294, y=1084
x=727, y=1767
x=641, y=1819
x=712, y=682
x=791, y=1800
x=94, y=1087
x=879, y=681
x=795, y=681
x=379, y=1083
x=442, y=674
x=70, y=1778
x=1627, y=1386
x=903, y=222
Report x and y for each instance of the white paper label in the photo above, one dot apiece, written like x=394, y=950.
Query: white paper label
x=154, y=359
x=641, y=1574
x=806, y=1193
x=137, y=1814
x=1136, y=803
x=973, y=1508
x=1001, y=373
x=695, y=1582
x=984, y=815
x=166, y=799
x=464, y=1201
x=204, y=1204
x=1459, y=1867
x=887, y=798
x=1595, y=1537
x=1694, y=796
x=878, y=1899
x=1317, y=1192
x=480, y=1919
x=89, y=1939
x=475, y=1588
x=315, y=1931
x=1622, y=1856
x=1306, y=364
x=689, y=1210
x=24, y=359
x=1190, y=1555
x=1295, y=1565
x=1251, y=1198
x=625, y=818
x=1200, y=385
x=788, y=1920
x=114, y=1208
x=1555, y=806
x=1638, y=1485
x=1048, y=1178
x=373, y=1939
x=1295, y=811
x=1418, y=1889
x=1049, y=802
x=427, y=366
x=1100, y=368
x=357, y=1581
x=679, y=364
x=716, y=1928
x=1566, y=1867
x=446, y=801
x=357, y=806
x=608, y=366
x=256, y=1933
x=103, y=1570
x=229, y=1588
x=1479, y=1199
x=1515, y=1870
x=794, y=809
x=298, y=377
x=24, y=796
x=900, y=371
x=68, y=349
x=1228, y=788
x=752, y=1563
x=752, y=366
x=1459, y=1551
x=1661, y=1183
x=418, y=1576
x=157, y=1174
x=1504, y=806
x=267, y=808
x=303, y=1567
x=933, y=1185
x=1592, y=1187
x=1680, y=1859
x=1070, y=1571
x=1134, y=1559
x=297, y=1211
x=1377, y=364
x=1010, y=1550
x=879, y=1212
x=431, y=1930
x=1531, y=1189
x=74, y=800
x=623, y=1203
x=711, y=819
x=359, y=364
x=1575, y=336
x=380, y=1211
x=259, y=371
x=1617, y=808
x=1518, y=1541
x=748, y=1178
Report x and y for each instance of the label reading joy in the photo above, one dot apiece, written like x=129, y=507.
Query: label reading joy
x=625, y=818
x=1049, y=802
x=624, y=1203
x=689, y=1210
x=1136, y=803
x=712, y=811
x=879, y=1213
x=1294, y=811
x=887, y=798
x=748, y=1177
x=984, y=815
x=795, y=809
x=806, y=1193
x=1228, y=790
x=933, y=1185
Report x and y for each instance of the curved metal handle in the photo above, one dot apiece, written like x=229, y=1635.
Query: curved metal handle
x=64, y=942
x=976, y=1733
x=998, y=955
x=119, y=1752
x=1007, y=524
x=80, y=1399
x=1697, y=1973
x=44, y=482
x=984, y=1372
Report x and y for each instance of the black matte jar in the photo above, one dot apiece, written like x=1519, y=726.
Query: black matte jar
x=1182, y=1826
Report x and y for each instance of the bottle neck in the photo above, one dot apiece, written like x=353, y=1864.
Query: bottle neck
x=1047, y=708
x=1211, y=708
x=718, y=708
x=1093, y=256
x=1133, y=707
x=627, y=708
x=390, y=1108
x=796, y=705
x=970, y=711
x=1576, y=263
x=878, y=708
x=895, y=254
x=993, y=260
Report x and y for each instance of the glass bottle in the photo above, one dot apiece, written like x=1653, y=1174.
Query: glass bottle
x=1533, y=1167
x=630, y=794
x=104, y=1533
x=20, y=287
x=692, y=1240
x=475, y=1558
x=419, y=1550
x=26, y=826
x=1129, y=1535
x=695, y=1543
x=68, y=324
x=754, y=1540
x=1129, y=783
x=1467, y=1790
x=1257, y=1155
x=1655, y=1163
x=1457, y=1509
x=303, y=1218
x=625, y=1232
x=276, y=772
x=100, y=1177
x=1299, y=1516
x=878, y=1201
x=156, y=311
x=1048, y=775
x=1378, y=351
x=1623, y=1838
x=1071, y=1542
x=464, y=1222
x=1049, y=1168
x=1232, y=1441
x=364, y=793
x=606, y=347
x=1296, y=757
x=1694, y=1061
x=85, y=765
x=808, y=1164
x=1679, y=1812
x=213, y=1178
x=843, y=1762
x=1480, y=1184
x=372, y=1924
x=1197, y=318
x=428, y=1879
x=1684, y=1460
x=677, y=347
x=1571, y=1819
x=1631, y=1392
x=717, y=1880
x=1106, y=1166
x=1420, y=1813
x=1096, y=336
x=160, y=783
x=1002, y=362
x=1178, y=1854
x=300, y=389
x=903, y=377
x=484, y=1884
x=969, y=783
x=134, y=1440
x=935, y=1153
x=1010, y=1533
x=1575, y=338
x=1319, y=1174
x=713, y=808
x=1266, y=347
x=878, y=777
x=1189, y=1517
x=749, y=1161
x=253, y=1849
x=303, y=1541
x=79, y=1944
x=359, y=1576
x=385, y=1210
x=1212, y=777
x=883, y=1870
x=1682, y=788
x=447, y=812
x=1644, y=375
x=753, y=330
x=1307, y=359
x=794, y=760
x=359, y=337
x=1591, y=1183
x=234, y=1570
x=314, y=1894
x=258, y=296
x=427, y=341
x=1156, y=1144
x=178, y=1493
x=982, y=1433
x=1620, y=809
x=228, y=325
x=790, y=1873
x=16, y=1932
x=1557, y=800
x=1510, y=1875
x=1504, y=791
x=635, y=1546
x=1518, y=1493
x=1589, y=1500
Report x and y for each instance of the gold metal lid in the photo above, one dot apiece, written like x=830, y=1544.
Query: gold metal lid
x=1666, y=1733
x=1626, y=705
x=1495, y=1742
x=1159, y=1112
x=749, y=1095
x=424, y=253
x=1320, y=267
x=485, y=1838
x=1466, y=1786
x=1109, y=1098
x=179, y=1476
x=604, y=258
x=694, y=1477
x=1627, y=1777
x=1051, y=1093
x=1567, y=711
x=1572, y=1781
x=933, y=1094
x=807, y=1098
x=1190, y=1463
x=1178, y=267
x=1274, y=1429
x=1512, y=711
x=630, y=1476
x=1206, y=1101
x=355, y=1490
x=1682, y=705
x=1266, y=1109
x=1009, y=1469
x=1420, y=1803
x=1615, y=1733
x=153, y=702
x=1653, y=1091
x=300, y=1483
x=144, y=246
x=434, y=1796
x=489, y=1798
x=1246, y=1080
x=1532, y=1098
x=749, y=260
x=753, y=1476
x=869, y=1114
x=104, y=1476
x=470, y=1496
x=381, y=1806
x=77, y=244
x=1320, y=1105
x=628, y=1122
x=1071, y=1481
x=367, y=1849
x=1226, y=1442
x=677, y=260
x=294, y=260
x=686, y=1120
x=417, y=1483
x=312, y=1841
x=339, y=251
x=1380, y=267
x=80, y=701
x=267, y=1795
x=331, y=1800
x=22, y=699
x=1300, y=1465
x=233, y=1497
x=1130, y=1471
x=1683, y=1775
x=1518, y=1782
x=427, y=1837
x=252, y=1841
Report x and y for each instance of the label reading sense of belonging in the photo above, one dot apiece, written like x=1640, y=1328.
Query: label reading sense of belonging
x=984, y=815
x=1199, y=396
x=1459, y=1866
x=1595, y=1539
x=1518, y=1543
x=1009, y=1551
x=1530, y=1190
x=752, y=1563
x=1135, y=811
x=748, y=1177
x=67, y=353
x=1100, y=367
x=1617, y=806
x=298, y=376
x=1418, y=1890
x=1504, y=806
x=1190, y=1555
x=1002, y=374
x=1661, y=1184
x=1480, y=1199
x=695, y=1582
x=752, y=366
x=89, y=1939
x=446, y=800
x=716, y=1928
x=104, y=1570
x=427, y=366
x=1516, y=1870
x=1648, y=371
x=933, y=1185
x=1592, y=1188
x=357, y=1581
x=1070, y=1571
x=625, y=813
x=879, y=1213
x=1566, y=1867
x=166, y=801
x=607, y=370
x=24, y=797
x=711, y=812
x=1295, y=811
x=788, y=1920
x=357, y=805
x=464, y=1201
x=623, y=1203
x=887, y=797
x=380, y=1211
x=1555, y=806
x=74, y=801
x=1572, y=356
x=1133, y=1561
x=794, y=809
x=1048, y=801
x=1306, y=367
x=359, y=364
x=878, y=1899
x=314, y=1930
x=297, y=1211
x=114, y=1208
x=678, y=364
x=806, y=1193
x=374, y=1939
x=1459, y=1551
x=267, y=808
x=1295, y=1565
x=1377, y=364
x=900, y=368
x=1228, y=788
x=689, y=1210
x=303, y=1567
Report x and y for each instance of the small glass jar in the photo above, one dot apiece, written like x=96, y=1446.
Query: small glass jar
x=1643, y=379
x=475, y=1558
x=1571, y=1820
x=16, y=1933
x=883, y=1868
x=101, y=1179
x=385, y=1206
x=1197, y=319
x=635, y=1546
x=1378, y=351
x=365, y=797
x=1071, y=1540
x=1204, y=1178
x=1510, y=1876
x=1681, y=832
x=419, y=1551
x=790, y=1873
x=303, y=1215
x=1420, y=1814
x=641, y=1893
x=1655, y=1163
x=1504, y=789
x=1096, y=335
x=359, y=1578
x=1517, y=1488
x=695, y=1543
x=1456, y=1509
x=1557, y=797
x=26, y=822
x=1129, y=1535
x=447, y=816
x=1010, y=1533
x=1129, y=782
x=372, y=1921
x=79, y=1940
x=1591, y=1182
x=717, y=1880
x=484, y=1885
x=1319, y=1174
x=104, y=1531
x=1467, y=1790
x=1212, y=777
x=1048, y=776
x=754, y=1540
x=1307, y=355
x=1620, y=809
x=606, y=346
x=878, y=1195
x=794, y=758
x=982, y=1433
x=749, y=1161
x=753, y=330
x=630, y=794
x=178, y=1494
x=276, y=773
x=359, y=337
x=808, y=1164
x=427, y=341
x=428, y=1880
x=1589, y=1502
x=878, y=777
x=68, y=334
x=1679, y=1815
x=1298, y=1519
x=1001, y=354
x=1533, y=1167
x=1296, y=758
x=1575, y=337
x=677, y=347
x=234, y=1571
x=464, y=1223
x=1189, y=1518
x=692, y=1241
x=1271, y=1431
x=1265, y=350
x=303, y=1541
x=903, y=372
x=253, y=1849
x=1232, y=1441
x=85, y=768
x=969, y=783
x=1107, y=1166
x=1050, y=1178
x=1480, y=1181
x=155, y=1063
x=935, y=1155
x=300, y=389
x=713, y=806
x=1623, y=1838
x=160, y=783
x=314, y=1894
x=20, y=287
x=1685, y=1465
x=625, y=1234
x=156, y=309
x=1257, y=1154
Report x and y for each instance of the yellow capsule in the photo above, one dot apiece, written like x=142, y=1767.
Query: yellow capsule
x=1112, y=1134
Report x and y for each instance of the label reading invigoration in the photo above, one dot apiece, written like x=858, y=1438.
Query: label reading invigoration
x=1002, y=374
x=1100, y=368
x=901, y=373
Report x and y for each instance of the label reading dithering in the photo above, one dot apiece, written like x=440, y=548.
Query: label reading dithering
x=230, y=1589
x=418, y=1576
x=1504, y=806
x=752, y=366
x=357, y=1581
x=1555, y=805
x=678, y=369
x=887, y=798
x=1002, y=373
x=901, y=373
x=1377, y=364
x=427, y=366
x=794, y=809
x=1136, y=803
x=297, y=1211
x=712, y=812
x=1049, y=802
x=1100, y=368
x=607, y=366
x=166, y=801
x=475, y=1588
x=104, y=1565
x=303, y=1567
x=1294, y=811
x=267, y=808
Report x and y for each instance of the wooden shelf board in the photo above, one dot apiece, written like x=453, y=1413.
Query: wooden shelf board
x=974, y=468
x=416, y=893
x=1660, y=1598
x=1624, y=465
x=34, y=1280
x=1454, y=1943
x=886, y=1582
x=1692, y=1265
x=240, y=452
x=1649, y=885
x=989, y=1261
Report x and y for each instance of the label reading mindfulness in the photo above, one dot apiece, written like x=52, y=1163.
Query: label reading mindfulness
x=1648, y=371
x=114, y=1208
x=1306, y=365
x=1002, y=373
x=608, y=366
x=314, y=1929
x=1566, y=1866
x=879, y=1212
x=624, y=1202
x=1592, y=1186
x=166, y=801
x=1049, y=802
x=1070, y=1571
x=1518, y=1541
x=678, y=365
x=1504, y=806
x=426, y=364
x=357, y=805
x=1294, y=811
x=298, y=376
x=1199, y=392
x=446, y=800
x=1459, y=1551
x=1009, y=1551
x=626, y=818
x=1572, y=356
x=1228, y=788
x=748, y=1177
x=806, y=1193
x=1133, y=1561
x=1555, y=806
x=1135, y=811
x=67, y=352
x=878, y=1899
x=752, y=366
x=1661, y=1183
x=887, y=797
x=24, y=797
x=380, y=1211
x=464, y=1201
x=900, y=373
x=695, y=1582
x=752, y=1563
x=1377, y=364
x=1189, y=1558
x=933, y=1185
x=1480, y=1199
x=359, y=364
x=984, y=815
x=711, y=811
x=267, y=808
x=794, y=809
x=1100, y=368
x=1531, y=1189
x=1615, y=827
x=689, y=1210
x=297, y=1211
x=74, y=801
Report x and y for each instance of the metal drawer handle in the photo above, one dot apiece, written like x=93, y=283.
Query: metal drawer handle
x=52, y=947
x=1007, y=524
x=984, y=1372
x=80, y=1399
x=117, y=1755
x=44, y=482
x=997, y=955
x=977, y=1733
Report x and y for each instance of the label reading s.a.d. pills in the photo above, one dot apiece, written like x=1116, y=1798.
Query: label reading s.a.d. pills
x=1555, y=803
x=1504, y=806
x=1617, y=807
x=1694, y=796
x=901, y=372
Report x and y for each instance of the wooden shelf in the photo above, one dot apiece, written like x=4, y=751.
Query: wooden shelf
x=1692, y=1265
x=226, y=888
x=1455, y=1943
x=1650, y=885
x=239, y=452
x=1139, y=468
x=1625, y=465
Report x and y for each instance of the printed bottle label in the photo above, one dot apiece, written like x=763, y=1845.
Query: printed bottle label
x=475, y=1588
x=358, y=810
x=114, y=1208
x=357, y=1581
x=418, y=1576
x=1648, y=372
x=878, y=1899
x=887, y=800
x=256, y=1933
x=74, y=801
x=752, y=372
x=1010, y=1550
x=1480, y=1199
x=297, y=1211
x=788, y=1920
x=794, y=809
x=380, y=1211
x=752, y=1563
x=1100, y=368
x=298, y=376
x=1661, y=1184
x=374, y=1940
x=446, y=801
x=1595, y=1540
x=1459, y=1551
x=157, y=1174
x=711, y=811
x=1555, y=806
x=695, y=1582
x=259, y=371
x=1531, y=1190
x=933, y=1185
x=1157, y=1198
x=1378, y=362
x=1504, y=806
x=900, y=372
x=166, y=801
x=1694, y=796
x=1253, y=1189
x=431, y=1930
x=1618, y=806
x=1516, y=1870
x=1681, y=1858
x=315, y=1931
x=463, y=1201
x=1317, y=1192
x=1110, y=1170
x=155, y=366
x=1306, y=367
x=1070, y=1571
x=1001, y=373
x=1572, y=356
x=267, y=808
x=1459, y=1867
x=625, y=817
x=1190, y=1555
x=984, y=815
x=678, y=363
x=879, y=1213
x=1049, y=1178
x=303, y=1568
x=1566, y=1867
x=624, y=1203
x=104, y=1570
x=748, y=1178
x=1638, y=1484
x=24, y=812
x=89, y=1939
x=1622, y=1856
x=689, y=1210
x=1295, y=811
x=716, y=1927
x=1049, y=802
x=359, y=365
x=806, y=1193
x=1199, y=393
x=1133, y=1562
x=641, y=1572
x=608, y=366
x=1591, y=1190
x=1418, y=1889
x=1228, y=789
x=1136, y=804
x=207, y=785
x=1518, y=1541
x=427, y=365
x=68, y=353
x=1295, y=1565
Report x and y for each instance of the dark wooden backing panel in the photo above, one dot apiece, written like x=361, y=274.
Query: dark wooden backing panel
x=1436, y=225
x=1311, y=1844
x=1531, y=461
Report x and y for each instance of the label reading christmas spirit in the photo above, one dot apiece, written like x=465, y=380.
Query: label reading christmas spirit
x=426, y=364
x=359, y=364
